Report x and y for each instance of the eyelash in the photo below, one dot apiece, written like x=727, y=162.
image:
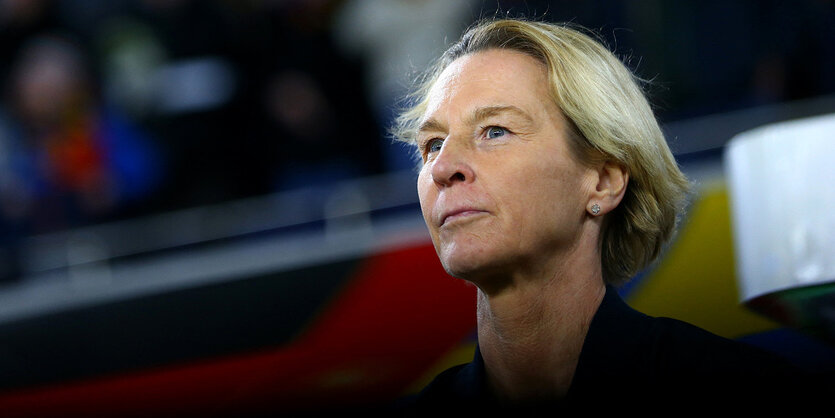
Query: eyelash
x=424, y=146
x=428, y=143
x=487, y=129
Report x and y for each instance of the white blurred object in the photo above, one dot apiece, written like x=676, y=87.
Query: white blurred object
x=782, y=191
x=193, y=85
x=398, y=38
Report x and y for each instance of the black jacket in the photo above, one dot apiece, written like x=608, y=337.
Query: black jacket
x=633, y=361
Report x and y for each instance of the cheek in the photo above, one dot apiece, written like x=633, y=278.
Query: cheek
x=426, y=194
x=551, y=198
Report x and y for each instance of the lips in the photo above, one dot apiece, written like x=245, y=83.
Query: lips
x=451, y=215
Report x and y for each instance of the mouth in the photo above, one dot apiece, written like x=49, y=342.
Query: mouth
x=459, y=214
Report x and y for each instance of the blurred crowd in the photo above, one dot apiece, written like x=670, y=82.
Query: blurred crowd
x=113, y=109
x=117, y=108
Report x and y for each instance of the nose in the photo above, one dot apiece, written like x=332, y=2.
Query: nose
x=452, y=164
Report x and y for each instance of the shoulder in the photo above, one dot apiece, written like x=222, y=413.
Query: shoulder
x=663, y=345
x=677, y=347
x=687, y=362
x=627, y=351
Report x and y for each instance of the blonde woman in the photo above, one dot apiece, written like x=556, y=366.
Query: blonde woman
x=545, y=180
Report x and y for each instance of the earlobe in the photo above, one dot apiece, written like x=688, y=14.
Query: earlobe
x=611, y=185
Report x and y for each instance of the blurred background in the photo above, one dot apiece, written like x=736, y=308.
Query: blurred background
x=201, y=209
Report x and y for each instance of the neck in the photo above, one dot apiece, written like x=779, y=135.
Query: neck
x=531, y=333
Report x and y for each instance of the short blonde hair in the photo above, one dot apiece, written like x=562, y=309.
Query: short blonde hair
x=609, y=119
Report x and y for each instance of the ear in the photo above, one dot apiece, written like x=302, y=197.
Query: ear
x=612, y=179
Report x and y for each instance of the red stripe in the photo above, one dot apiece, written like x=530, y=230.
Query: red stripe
x=394, y=320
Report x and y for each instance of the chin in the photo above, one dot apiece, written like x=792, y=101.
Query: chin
x=473, y=259
x=460, y=267
x=468, y=267
x=486, y=278
x=456, y=271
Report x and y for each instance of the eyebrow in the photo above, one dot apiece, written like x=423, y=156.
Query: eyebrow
x=431, y=125
x=485, y=112
x=478, y=115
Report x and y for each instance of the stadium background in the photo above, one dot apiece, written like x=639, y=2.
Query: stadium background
x=202, y=213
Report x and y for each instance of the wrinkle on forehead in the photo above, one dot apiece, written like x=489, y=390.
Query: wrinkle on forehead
x=459, y=74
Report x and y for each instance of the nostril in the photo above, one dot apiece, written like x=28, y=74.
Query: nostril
x=458, y=176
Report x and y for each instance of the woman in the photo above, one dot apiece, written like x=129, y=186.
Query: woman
x=545, y=180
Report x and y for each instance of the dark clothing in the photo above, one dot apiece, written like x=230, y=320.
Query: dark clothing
x=633, y=360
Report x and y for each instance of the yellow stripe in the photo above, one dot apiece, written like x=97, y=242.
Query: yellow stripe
x=461, y=354
x=695, y=280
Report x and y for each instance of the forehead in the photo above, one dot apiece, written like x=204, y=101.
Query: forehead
x=489, y=78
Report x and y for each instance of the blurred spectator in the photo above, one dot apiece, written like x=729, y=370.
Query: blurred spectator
x=315, y=108
x=246, y=97
x=20, y=20
x=67, y=159
x=171, y=63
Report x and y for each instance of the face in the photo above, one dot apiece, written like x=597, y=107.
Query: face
x=499, y=189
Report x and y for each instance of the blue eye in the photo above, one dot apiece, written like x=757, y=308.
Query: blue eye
x=495, y=132
x=434, y=145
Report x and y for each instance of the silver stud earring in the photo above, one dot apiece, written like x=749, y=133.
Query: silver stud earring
x=595, y=209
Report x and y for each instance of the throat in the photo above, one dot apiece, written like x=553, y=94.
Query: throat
x=531, y=341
